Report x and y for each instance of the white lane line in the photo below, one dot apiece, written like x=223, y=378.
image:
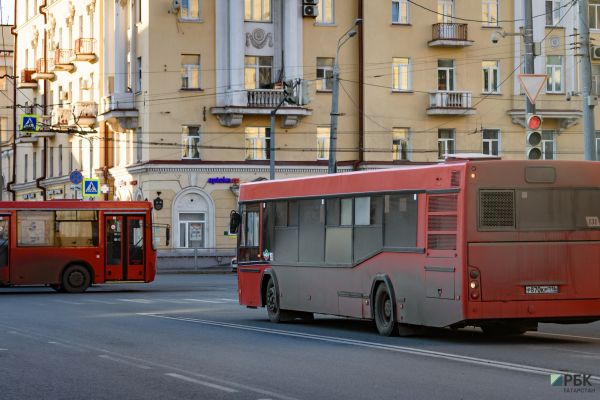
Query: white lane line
x=229, y=300
x=205, y=301
x=562, y=335
x=3, y=349
x=66, y=346
x=77, y=303
x=380, y=346
x=139, y=301
x=203, y=383
x=125, y=362
x=101, y=301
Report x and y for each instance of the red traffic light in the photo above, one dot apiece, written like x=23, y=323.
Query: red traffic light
x=534, y=122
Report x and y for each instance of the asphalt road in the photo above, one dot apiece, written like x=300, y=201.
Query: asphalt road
x=185, y=337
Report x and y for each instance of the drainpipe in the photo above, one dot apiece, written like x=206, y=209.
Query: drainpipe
x=38, y=181
x=13, y=179
x=361, y=84
x=105, y=167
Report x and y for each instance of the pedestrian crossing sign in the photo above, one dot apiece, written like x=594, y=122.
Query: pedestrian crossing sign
x=91, y=187
x=29, y=123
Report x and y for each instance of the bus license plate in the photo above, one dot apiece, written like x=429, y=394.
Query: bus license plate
x=548, y=289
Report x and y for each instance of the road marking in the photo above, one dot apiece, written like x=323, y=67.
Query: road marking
x=125, y=362
x=205, y=301
x=562, y=335
x=77, y=303
x=101, y=302
x=203, y=383
x=65, y=346
x=380, y=346
x=3, y=349
x=229, y=300
x=140, y=301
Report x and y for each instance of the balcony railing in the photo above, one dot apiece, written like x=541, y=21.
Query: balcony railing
x=450, y=35
x=27, y=78
x=268, y=98
x=63, y=59
x=443, y=102
x=85, y=113
x=61, y=116
x=85, y=46
x=44, y=68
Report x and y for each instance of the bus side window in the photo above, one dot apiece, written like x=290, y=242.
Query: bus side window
x=400, y=220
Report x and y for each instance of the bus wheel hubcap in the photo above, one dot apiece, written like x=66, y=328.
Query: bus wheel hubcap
x=271, y=300
x=76, y=278
x=387, y=309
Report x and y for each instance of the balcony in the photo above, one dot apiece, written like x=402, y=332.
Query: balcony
x=260, y=102
x=63, y=60
x=85, y=113
x=27, y=137
x=61, y=116
x=27, y=80
x=85, y=50
x=43, y=66
x=444, y=102
x=449, y=35
x=120, y=107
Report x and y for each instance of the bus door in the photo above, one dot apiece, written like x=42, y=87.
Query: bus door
x=4, y=248
x=124, y=247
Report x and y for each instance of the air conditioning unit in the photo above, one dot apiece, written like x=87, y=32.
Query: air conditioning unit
x=311, y=2
x=595, y=52
x=534, y=145
x=310, y=10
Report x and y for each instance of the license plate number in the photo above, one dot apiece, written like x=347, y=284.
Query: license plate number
x=547, y=289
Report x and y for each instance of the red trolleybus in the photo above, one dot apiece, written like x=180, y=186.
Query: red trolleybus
x=501, y=245
x=70, y=244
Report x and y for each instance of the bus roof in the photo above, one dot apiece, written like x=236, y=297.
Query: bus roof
x=449, y=175
x=76, y=205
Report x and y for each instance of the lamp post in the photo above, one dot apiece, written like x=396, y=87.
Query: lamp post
x=331, y=168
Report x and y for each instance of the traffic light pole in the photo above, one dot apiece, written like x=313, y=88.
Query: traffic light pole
x=589, y=139
x=272, y=139
x=529, y=56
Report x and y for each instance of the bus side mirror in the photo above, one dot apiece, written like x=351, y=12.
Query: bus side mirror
x=168, y=235
x=235, y=220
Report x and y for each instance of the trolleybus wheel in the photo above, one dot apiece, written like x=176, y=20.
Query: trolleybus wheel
x=384, y=318
x=76, y=279
x=275, y=313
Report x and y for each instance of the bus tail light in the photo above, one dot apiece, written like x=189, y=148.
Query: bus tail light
x=474, y=283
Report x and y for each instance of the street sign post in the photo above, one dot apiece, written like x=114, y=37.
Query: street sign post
x=532, y=84
x=29, y=123
x=91, y=188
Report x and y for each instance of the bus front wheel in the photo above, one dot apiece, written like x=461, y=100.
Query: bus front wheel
x=275, y=313
x=76, y=279
x=383, y=307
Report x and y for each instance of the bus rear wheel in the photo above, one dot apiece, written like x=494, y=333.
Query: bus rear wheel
x=76, y=279
x=275, y=313
x=384, y=312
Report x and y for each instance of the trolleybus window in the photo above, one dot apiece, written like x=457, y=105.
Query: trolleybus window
x=400, y=220
x=249, y=238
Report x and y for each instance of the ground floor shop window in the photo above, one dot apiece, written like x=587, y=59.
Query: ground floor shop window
x=192, y=230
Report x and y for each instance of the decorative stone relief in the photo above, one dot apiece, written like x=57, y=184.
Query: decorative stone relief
x=36, y=34
x=91, y=7
x=259, y=38
x=71, y=15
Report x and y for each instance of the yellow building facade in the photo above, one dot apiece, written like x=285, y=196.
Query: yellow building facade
x=172, y=99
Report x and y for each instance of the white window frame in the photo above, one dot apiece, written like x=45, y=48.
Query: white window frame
x=551, y=70
x=597, y=145
x=489, y=9
x=555, y=13
x=445, y=11
x=252, y=4
x=256, y=68
x=399, y=136
x=401, y=67
x=186, y=229
x=324, y=82
x=323, y=138
x=489, y=71
x=594, y=15
x=326, y=8
x=545, y=141
x=138, y=86
x=450, y=75
x=490, y=142
x=257, y=141
x=444, y=142
x=187, y=73
x=184, y=11
x=401, y=5
x=3, y=82
x=191, y=143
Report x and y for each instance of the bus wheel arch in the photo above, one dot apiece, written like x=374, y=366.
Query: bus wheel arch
x=76, y=277
x=271, y=300
x=383, y=305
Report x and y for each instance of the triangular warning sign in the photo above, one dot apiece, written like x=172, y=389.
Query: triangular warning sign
x=91, y=188
x=29, y=124
x=532, y=84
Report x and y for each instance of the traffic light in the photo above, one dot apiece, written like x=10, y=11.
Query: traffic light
x=289, y=92
x=534, y=137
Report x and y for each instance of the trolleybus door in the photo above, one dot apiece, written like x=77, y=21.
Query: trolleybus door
x=4, y=248
x=124, y=247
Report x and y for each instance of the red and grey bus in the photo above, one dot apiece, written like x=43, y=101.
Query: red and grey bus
x=71, y=244
x=501, y=245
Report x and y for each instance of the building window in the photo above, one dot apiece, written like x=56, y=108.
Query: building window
x=445, y=11
x=552, y=12
x=323, y=137
x=257, y=143
x=400, y=12
x=138, y=86
x=26, y=172
x=192, y=227
x=490, y=76
x=491, y=142
x=34, y=165
x=490, y=12
x=445, y=72
x=257, y=73
x=138, y=145
x=594, y=14
x=257, y=10
x=60, y=160
x=190, y=71
x=595, y=79
x=3, y=73
x=324, y=74
x=326, y=13
x=51, y=161
x=400, y=140
x=401, y=73
x=191, y=142
x=554, y=70
x=190, y=10
x=548, y=145
x=4, y=132
x=445, y=143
